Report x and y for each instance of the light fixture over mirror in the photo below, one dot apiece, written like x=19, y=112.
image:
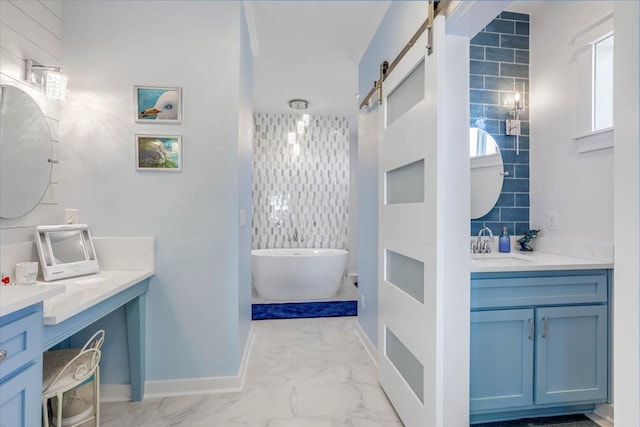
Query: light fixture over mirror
x=49, y=78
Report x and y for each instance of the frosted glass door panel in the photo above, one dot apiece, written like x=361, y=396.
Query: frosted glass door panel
x=406, y=184
x=406, y=273
x=406, y=363
x=406, y=94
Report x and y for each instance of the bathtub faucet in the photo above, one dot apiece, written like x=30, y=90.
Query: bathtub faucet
x=295, y=236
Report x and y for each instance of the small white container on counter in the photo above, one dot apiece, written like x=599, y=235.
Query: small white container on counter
x=26, y=273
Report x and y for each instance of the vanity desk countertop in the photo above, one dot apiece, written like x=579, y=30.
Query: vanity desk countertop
x=15, y=298
x=532, y=261
x=84, y=292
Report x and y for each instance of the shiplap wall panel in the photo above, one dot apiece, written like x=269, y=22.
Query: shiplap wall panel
x=29, y=28
x=55, y=6
x=43, y=16
x=20, y=47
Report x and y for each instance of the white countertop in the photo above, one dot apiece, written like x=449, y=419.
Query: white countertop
x=14, y=298
x=532, y=261
x=86, y=291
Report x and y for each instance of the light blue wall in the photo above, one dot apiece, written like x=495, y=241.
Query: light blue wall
x=398, y=25
x=194, y=327
x=245, y=137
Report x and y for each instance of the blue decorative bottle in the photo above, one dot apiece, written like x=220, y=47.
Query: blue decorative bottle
x=504, y=242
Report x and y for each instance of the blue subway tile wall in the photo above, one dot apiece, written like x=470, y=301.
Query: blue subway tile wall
x=499, y=58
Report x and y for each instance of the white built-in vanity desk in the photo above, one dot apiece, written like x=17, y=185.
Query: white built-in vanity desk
x=539, y=335
x=34, y=318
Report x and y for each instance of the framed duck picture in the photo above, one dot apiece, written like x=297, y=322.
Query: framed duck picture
x=161, y=153
x=158, y=104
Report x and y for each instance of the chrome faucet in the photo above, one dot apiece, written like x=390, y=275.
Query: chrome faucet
x=294, y=238
x=482, y=246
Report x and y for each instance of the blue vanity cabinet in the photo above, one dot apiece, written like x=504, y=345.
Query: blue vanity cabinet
x=501, y=371
x=571, y=355
x=21, y=368
x=539, y=343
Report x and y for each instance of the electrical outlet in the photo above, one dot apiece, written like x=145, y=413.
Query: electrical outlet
x=552, y=220
x=362, y=301
x=71, y=216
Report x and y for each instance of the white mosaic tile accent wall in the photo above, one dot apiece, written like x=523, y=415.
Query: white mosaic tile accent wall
x=305, y=190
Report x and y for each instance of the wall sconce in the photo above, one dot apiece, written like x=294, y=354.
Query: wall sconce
x=512, y=126
x=50, y=79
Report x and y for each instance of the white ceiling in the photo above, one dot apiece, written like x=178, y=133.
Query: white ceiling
x=310, y=50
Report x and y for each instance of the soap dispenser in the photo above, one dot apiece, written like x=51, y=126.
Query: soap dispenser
x=504, y=242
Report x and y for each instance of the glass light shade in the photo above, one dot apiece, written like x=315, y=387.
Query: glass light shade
x=300, y=127
x=306, y=119
x=291, y=137
x=55, y=85
x=518, y=97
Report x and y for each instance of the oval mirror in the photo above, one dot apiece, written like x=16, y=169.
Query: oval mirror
x=486, y=172
x=25, y=153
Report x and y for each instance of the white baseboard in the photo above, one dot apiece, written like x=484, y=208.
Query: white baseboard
x=115, y=393
x=368, y=345
x=184, y=387
x=605, y=411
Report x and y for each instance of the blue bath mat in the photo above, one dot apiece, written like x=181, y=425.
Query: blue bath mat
x=297, y=310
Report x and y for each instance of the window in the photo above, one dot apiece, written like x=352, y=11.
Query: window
x=593, y=54
x=603, y=83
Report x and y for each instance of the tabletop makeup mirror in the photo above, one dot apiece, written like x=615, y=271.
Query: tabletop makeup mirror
x=487, y=172
x=26, y=153
x=65, y=251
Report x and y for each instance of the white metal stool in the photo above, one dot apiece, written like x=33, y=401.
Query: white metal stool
x=64, y=370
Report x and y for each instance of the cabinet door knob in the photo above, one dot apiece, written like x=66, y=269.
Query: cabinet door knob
x=545, y=333
x=532, y=329
x=3, y=355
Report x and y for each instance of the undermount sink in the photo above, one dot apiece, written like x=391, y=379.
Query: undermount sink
x=498, y=259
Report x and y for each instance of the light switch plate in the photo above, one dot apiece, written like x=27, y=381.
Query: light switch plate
x=243, y=217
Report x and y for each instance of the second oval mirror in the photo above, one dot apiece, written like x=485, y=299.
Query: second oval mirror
x=25, y=153
x=486, y=172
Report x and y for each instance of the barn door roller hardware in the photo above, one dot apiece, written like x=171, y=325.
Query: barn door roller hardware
x=386, y=68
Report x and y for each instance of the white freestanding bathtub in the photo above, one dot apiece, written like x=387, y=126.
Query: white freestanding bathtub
x=297, y=274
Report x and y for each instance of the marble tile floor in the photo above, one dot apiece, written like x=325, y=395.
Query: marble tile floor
x=301, y=373
x=348, y=292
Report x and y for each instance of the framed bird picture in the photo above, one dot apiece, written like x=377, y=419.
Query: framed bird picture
x=162, y=153
x=158, y=104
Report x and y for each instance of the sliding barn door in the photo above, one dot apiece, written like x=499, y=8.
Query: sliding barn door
x=407, y=333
